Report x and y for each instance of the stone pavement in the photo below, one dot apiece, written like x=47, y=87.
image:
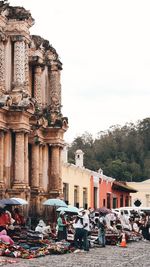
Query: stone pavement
x=137, y=254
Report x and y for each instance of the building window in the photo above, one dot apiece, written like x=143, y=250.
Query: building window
x=76, y=196
x=121, y=200
x=85, y=200
x=95, y=197
x=114, y=202
x=104, y=202
x=108, y=200
x=126, y=201
x=66, y=192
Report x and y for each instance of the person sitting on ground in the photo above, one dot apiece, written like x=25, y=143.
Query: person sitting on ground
x=4, y=220
x=18, y=217
x=43, y=228
x=8, y=211
x=113, y=227
x=6, y=238
x=135, y=226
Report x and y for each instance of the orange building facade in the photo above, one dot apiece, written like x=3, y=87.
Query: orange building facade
x=112, y=194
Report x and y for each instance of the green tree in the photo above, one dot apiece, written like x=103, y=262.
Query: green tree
x=122, y=152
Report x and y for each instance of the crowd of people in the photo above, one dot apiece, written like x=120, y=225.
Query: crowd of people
x=82, y=226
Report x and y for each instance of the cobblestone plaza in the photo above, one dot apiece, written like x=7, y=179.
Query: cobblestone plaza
x=135, y=255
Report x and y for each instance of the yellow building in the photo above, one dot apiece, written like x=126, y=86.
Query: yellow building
x=76, y=185
x=80, y=185
x=143, y=194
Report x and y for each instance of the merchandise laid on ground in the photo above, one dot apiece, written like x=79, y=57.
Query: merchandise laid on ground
x=69, y=232
x=113, y=238
x=30, y=244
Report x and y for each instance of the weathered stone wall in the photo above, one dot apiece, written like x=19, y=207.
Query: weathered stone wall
x=30, y=111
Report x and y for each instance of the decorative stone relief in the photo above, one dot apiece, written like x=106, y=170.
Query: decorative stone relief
x=37, y=85
x=2, y=68
x=19, y=63
x=55, y=92
x=5, y=100
x=18, y=27
x=26, y=67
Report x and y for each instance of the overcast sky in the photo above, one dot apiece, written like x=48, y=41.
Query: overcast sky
x=104, y=46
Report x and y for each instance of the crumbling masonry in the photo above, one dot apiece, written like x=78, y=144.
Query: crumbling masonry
x=31, y=123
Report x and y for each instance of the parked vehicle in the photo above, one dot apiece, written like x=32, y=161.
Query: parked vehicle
x=127, y=211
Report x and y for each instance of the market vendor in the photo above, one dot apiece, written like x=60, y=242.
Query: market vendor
x=18, y=217
x=4, y=219
x=61, y=225
x=43, y=228
x=6, y=238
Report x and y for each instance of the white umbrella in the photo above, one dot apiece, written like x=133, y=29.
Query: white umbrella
x=69, y=208
x=20, y=201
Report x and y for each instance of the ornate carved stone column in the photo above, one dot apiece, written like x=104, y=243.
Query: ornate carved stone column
x=60, y=170
x=40, y=166
x=35, y=167
x=45, y=166
x=19, y=62
x=27, y=67
x=38, y=84
x=2, y=66
x=55, y=91
x=7, y=158
x=19, y=159
x=54, y=171
x=1, y=158
x=26, y=166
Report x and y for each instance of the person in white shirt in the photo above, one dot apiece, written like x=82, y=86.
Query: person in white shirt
x=78, y=236
x=86, y=229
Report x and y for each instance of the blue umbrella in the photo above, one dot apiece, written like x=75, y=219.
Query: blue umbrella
x=55, y=202
x=13, y=201
x=69, y=208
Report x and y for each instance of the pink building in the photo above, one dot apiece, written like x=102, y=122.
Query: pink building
x=112, y=194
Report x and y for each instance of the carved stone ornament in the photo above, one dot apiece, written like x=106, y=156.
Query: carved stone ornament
x=3, y=37
x=2, y=66
x=22, y=100
x=19, y=61
x=5, y=100
x=18, y=27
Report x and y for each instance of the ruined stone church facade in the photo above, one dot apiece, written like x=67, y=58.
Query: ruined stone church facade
x=31, y=123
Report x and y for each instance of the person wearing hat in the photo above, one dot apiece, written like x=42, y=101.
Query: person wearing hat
x=78, y=236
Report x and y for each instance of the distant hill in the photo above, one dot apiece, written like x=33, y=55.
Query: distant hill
x=121, y=152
